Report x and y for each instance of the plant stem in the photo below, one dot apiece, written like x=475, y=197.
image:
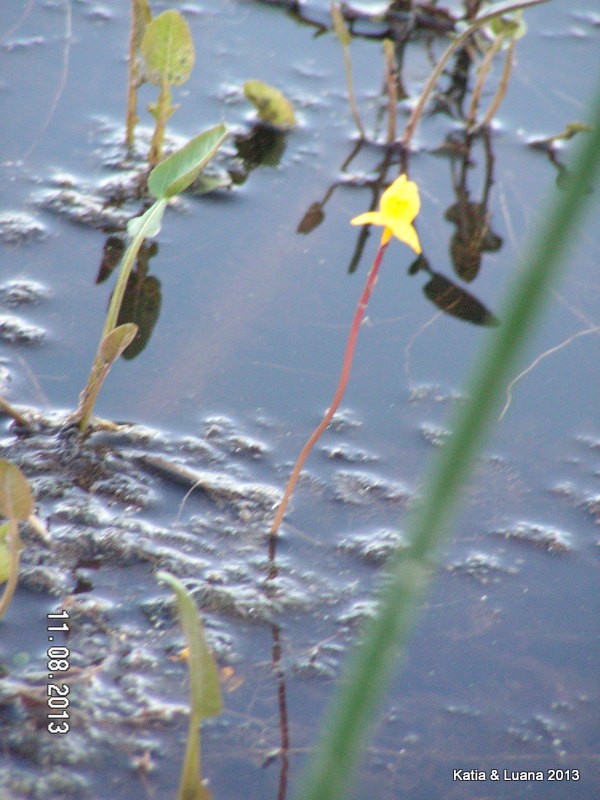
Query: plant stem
x=162, y=113
x=368, y=673
x=455, y=45
x=9, y=409
x=341, y=387
x=484, y=70
x=116, y=300
x=392, y=88
x=501, y=91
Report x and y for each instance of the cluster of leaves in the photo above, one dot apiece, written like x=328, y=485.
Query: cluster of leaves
x=161, y=52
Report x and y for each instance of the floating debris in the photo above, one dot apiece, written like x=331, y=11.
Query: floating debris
x=551, y=539
x=434, y=434
x=433, y=392
x=344, y=420
x=373, y=547
x=17, y=227
x=84, y=204
x=22, y=293
x=482, y=567
x=14, y=331
x=219, y=486
x=361, y=488
x=345, y=452
x=580, y=499
x=358, y=612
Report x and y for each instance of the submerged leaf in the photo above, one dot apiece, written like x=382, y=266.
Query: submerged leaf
x=16, y=500
x=168, y=49
x=180, y=169
x=272, y=106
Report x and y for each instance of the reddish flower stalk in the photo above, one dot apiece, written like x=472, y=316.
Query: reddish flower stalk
x=341, y=387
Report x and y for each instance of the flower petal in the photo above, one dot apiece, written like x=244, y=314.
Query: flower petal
x=368, y=218
x=406, y=233
x=401, y=200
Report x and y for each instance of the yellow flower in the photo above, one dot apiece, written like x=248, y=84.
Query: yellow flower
x=398, y=207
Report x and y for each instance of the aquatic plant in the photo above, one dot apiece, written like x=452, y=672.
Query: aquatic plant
x=505, y=31
x=205, y=692
x=272, y=105
x=168, y=52
x=345, y=38
x=399, y=206
x=161, y=51
x=167, y=179
x=140, y=17
x=409, y=570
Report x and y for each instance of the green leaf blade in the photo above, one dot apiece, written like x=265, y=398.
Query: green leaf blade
x=16, y=500
x=272, y=105
x=180, y=169
x=149, y=223
x=167, y=49
x=205, y=692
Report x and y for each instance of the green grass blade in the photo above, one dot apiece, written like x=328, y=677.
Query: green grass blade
x=337, y=751
x=205, y=691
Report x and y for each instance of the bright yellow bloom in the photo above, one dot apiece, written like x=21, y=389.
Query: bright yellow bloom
x=398, y=207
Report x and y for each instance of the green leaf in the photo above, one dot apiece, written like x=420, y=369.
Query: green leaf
x=512, y=27
x=205, y=692
x=5, y=560
x=113, y=345
x=180, y=169
x=16, y=501
x=148, y=223
x=168, y=49
x=272, y=106
x=109, y=349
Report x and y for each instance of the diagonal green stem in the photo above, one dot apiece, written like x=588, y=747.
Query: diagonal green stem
x=337, y=751
x=341, y=387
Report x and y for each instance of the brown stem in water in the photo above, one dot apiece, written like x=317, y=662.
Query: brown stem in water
x=341, y=387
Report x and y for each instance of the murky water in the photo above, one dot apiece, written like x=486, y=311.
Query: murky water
x=241, y=361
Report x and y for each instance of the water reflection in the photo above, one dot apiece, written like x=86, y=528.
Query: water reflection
x=473, y=235
x=142, y=299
